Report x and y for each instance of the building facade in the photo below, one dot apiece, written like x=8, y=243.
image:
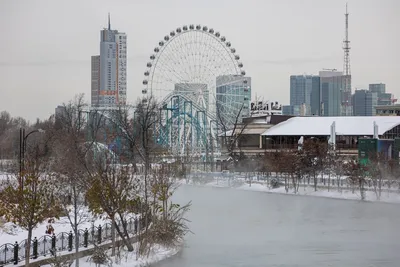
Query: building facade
x=316, y=96
x=291, y=110
x=304, y=95
x=332, y=86
x=233, y=95
x=364, y=103
x=95, y=81
x=389, y=110
x=384, y=99
x=108, y=83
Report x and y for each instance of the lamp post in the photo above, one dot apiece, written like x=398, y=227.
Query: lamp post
x=22, y=149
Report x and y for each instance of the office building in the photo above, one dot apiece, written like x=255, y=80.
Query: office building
x=364, y=103
x=304, y=95
x=316, y=96
x=332, y=85
x=291, y=110
x=108, y=77
x=233, y=96
x=384, y=99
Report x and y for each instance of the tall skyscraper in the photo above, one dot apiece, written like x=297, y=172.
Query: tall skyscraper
x=332, y=85
x=304, y=95
x=233, y=95
x=364, y=103
x=108, y=87
x=316, y=96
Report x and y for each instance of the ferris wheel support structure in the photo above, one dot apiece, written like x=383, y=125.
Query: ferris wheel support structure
x=182, y=76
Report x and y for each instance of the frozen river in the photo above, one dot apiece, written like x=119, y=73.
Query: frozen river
x=241, y=228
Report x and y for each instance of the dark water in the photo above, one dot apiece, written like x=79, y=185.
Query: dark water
x=240, y=228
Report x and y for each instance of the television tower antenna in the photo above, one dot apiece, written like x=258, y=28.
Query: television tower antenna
x=346, y=47
x=346, y=94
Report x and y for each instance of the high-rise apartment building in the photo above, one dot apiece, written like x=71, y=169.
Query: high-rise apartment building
x=233, y=95
x=108, y=83
x=364, y=103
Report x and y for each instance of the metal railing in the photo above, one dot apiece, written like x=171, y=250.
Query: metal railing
x=49, y=244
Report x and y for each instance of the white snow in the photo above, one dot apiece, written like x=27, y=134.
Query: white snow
x=10, y=232
x=128, y=259
x=304, y=190
x=351, y=125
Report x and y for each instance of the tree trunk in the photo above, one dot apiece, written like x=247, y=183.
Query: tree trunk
x=329, y=180
x=294, y=183
x=380, y=187
x=362, y=191
x=76, y=232
x=113, y=237
x=315, y=181
x=126, y=242
x=28, y=247
x=75, y=228
x=286, y=184
x=124, y=226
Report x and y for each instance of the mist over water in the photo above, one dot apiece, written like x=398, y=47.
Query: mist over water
x=241, y=228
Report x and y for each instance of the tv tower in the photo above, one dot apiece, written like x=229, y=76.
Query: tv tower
x=346, y=47
x=346, y=95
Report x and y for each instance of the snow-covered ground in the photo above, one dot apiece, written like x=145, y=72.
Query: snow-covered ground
x=304, y=190
x=10, y=232
x=128, y=259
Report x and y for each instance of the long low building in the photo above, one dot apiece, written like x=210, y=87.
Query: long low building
x=268, y=134
x=348, y=130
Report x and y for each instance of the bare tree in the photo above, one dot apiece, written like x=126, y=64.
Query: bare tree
x=357, y=176
x=146, y=117
x=315, y=152
x=231, y=131
x=377, y=169
x=72, y=152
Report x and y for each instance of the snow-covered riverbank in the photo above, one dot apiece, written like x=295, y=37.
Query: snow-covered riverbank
x=304, y=190
x=11, y=233
x=128, y=259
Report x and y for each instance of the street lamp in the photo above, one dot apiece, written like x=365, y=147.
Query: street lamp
x=22, y=149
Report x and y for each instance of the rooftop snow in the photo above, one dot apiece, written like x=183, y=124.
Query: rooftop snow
x=320, y=126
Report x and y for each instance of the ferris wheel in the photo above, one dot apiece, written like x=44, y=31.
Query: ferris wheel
x=188, y=74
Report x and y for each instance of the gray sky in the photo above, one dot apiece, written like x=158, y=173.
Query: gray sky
x=46, y=45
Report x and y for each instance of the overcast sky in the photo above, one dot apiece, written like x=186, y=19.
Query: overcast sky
x=46, y=45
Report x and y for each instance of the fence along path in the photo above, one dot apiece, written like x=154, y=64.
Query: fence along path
x=46, y=245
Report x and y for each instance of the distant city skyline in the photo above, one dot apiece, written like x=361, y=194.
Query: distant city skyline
x=274, y=40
